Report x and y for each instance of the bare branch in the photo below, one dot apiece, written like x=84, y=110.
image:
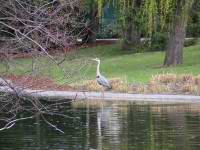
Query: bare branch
x=35, y=28
x=12, y=123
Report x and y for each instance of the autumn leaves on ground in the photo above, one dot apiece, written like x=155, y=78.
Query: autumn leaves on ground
x=127, y=72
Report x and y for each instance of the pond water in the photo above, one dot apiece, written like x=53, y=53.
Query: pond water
x=110, y=126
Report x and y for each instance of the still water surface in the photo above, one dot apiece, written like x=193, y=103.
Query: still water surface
x=111, y=126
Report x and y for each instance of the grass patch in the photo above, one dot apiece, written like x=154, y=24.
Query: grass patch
x=139, y=67
x=115, y=63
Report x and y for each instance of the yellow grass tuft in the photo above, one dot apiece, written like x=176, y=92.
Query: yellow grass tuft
x=163, y=78
x=157, y=88
x=172, y=83
x=118, y=85
x=96, y=104
x=187, y=88
x=161, y=83
x=88, y=85
x=90, y=103
x=197, y=80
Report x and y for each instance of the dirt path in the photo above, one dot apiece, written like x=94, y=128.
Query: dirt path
x=37, y=83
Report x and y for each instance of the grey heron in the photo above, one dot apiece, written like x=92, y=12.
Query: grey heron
x=101, y=80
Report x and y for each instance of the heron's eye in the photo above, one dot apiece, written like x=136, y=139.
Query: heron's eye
x=97, y=76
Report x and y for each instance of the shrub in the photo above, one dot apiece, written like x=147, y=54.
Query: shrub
x=108, y=31
x=190, y=42
x=158, y=41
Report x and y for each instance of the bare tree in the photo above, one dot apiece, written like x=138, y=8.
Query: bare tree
x=34, y=27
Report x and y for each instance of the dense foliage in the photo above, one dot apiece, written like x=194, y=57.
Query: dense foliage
x=193, y=29
x=151, y=17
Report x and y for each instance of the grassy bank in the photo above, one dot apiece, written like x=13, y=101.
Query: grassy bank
x=115, y=63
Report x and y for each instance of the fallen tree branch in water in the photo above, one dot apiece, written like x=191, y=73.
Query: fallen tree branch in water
x=12, y=123
x=52, y=125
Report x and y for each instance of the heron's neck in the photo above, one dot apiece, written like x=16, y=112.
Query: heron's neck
x=98, y=72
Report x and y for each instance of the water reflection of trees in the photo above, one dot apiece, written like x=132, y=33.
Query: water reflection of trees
x=149, y=127
x=113, y=126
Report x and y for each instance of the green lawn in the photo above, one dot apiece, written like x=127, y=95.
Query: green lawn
x=114, y=63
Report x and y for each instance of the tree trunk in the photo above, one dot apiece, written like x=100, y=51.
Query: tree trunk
x=92, y=26
x=131, y=32
x=131, y=36
x=174, y=50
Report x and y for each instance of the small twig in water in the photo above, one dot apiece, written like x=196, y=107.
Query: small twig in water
x=12, y=123
x=52, y=124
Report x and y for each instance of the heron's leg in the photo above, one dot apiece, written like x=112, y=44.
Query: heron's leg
x=102, y=93
x=84, y=94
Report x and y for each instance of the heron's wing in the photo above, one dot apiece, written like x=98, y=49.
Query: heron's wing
x=103, y=81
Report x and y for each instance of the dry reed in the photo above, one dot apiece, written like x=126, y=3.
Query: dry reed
x=159, y=84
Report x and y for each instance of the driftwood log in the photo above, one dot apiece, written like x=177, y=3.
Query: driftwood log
x=107, y=96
